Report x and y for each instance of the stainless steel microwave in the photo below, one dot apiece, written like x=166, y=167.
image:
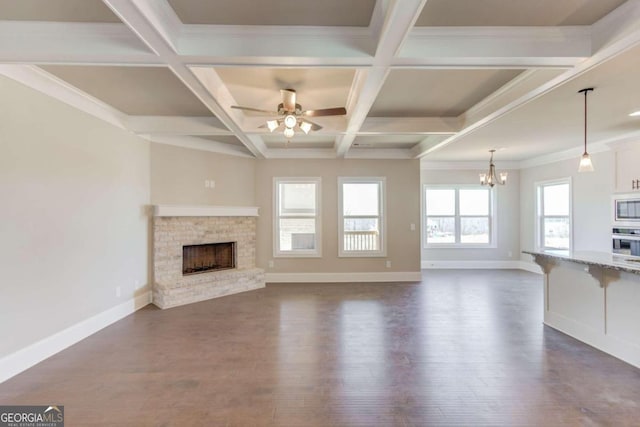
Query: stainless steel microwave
x=626, y=209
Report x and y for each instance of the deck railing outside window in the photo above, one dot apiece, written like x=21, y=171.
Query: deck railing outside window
x=361, y=240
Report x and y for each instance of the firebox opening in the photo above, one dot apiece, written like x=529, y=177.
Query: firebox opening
x=208, y=257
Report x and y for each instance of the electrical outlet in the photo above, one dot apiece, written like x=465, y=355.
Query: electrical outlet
x=412, y=227
x=271, y=263
x=388, y=264
x=118, y=291
x=510, y=254
x=212, y=184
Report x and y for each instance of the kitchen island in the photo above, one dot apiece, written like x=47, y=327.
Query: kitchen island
x=595, y=298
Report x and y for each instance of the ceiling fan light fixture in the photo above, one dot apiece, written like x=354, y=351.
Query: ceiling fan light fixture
x=288, y=133
x=290, y=121
x=272, y=125
x=635, y=114
x=305, y=126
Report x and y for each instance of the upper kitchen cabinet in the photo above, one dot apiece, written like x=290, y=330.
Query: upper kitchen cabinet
x=628, y=169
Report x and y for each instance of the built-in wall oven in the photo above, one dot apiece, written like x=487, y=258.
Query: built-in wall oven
x=626, y=225
x=626, y=241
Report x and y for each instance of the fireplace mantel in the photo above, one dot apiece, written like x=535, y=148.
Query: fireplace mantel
x=185, y=210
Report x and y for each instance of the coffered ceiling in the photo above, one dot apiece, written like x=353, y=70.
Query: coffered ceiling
x=442, y=80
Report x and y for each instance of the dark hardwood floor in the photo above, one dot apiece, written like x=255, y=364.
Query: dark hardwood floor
x=461, y=348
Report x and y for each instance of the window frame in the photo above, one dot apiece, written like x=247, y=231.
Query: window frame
x=297, y=253
x=382, y=217
x=538, y=237
x=493, y=217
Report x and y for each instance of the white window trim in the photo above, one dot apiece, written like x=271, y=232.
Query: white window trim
x=382, y=181
x=299, y=253
x=538, y=239
x=493, y=218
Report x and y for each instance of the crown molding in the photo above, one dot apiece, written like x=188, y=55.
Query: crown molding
x=201, y=144
x=471, y=165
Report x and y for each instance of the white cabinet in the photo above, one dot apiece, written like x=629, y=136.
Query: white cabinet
x=628, y=170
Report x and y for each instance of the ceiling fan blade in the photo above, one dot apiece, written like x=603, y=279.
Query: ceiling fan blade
x=255, y=110
x=338, y=111
x=288, y=99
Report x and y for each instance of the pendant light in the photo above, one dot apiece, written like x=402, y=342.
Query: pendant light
x=490, y=178
x=585, y=160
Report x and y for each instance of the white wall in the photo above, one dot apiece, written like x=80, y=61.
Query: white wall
x=591, y=200
x=507, y=211
x=73, y=222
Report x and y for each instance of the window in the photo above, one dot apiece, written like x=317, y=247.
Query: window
x=297, y=217
x=458, y=216
x=553, y=208
x=361, y=217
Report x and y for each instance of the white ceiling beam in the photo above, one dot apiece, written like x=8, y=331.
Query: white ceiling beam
x=29, y=42
x=259, y=44
x=608, y=52
x=427, y=144
x=176, y=125
x=38, y=79
x=504, y=47
x=379, y=153
x=409, y=125
x=392, y=31
x=622, y=24
x=151, y=25
x=612, y=35
x=301, y=153
x=521, y=85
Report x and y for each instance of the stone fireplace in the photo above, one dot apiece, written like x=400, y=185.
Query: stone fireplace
x=202, y=253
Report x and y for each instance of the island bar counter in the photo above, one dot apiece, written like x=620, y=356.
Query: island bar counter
x=595, y=298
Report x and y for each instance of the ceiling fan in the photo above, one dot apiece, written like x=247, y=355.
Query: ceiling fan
x=291, y=116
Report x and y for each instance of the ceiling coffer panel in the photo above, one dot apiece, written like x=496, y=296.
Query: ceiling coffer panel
x=330, y=13
x=56, y=11
x=514, y=12
x=437, y=93
x=144, y=91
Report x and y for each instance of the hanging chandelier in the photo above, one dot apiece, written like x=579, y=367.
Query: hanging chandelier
x=585, y=160
x=490, y=178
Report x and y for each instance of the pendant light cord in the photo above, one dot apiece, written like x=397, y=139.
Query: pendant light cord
x=585, y=121
x=585, y=91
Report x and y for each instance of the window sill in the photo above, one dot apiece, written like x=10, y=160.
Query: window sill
x=362, y=255
x=459, y=246
x=297, y=255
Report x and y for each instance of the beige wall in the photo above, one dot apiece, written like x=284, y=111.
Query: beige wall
x=178, y=177
x=73, y=223
x=403, y=209
x=507, y=212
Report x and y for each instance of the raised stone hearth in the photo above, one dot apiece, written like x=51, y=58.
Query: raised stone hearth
x=197, y=226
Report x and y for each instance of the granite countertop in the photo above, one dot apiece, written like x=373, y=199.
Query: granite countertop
x=600, y=259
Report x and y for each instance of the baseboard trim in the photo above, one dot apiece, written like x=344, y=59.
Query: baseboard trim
x=382, y=276
x=23, y=359
x=530, y=266
x=468, y=265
